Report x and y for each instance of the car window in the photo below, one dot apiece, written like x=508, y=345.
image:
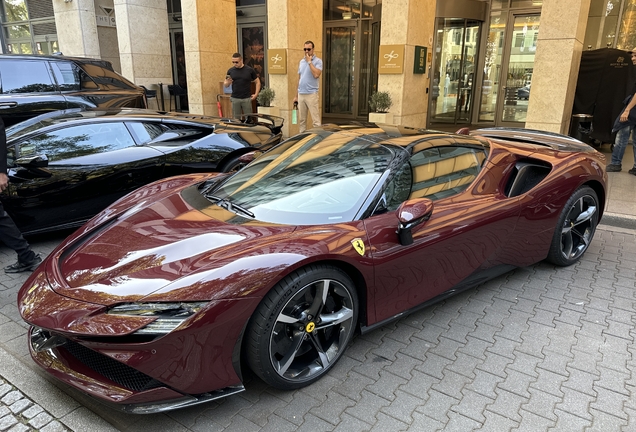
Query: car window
x=75, y=141
x=107, y=79
x=146, y=131
x=66, y=75
x=28, y=76
x=440, y=172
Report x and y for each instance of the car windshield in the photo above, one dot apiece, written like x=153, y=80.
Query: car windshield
x=307, y=181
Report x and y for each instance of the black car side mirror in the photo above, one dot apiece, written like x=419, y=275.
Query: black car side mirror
x=410, y=214
x=35, y=161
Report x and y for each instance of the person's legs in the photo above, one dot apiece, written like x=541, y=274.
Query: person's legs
x=302, y=112
x=11, y=236
x=633, y=134
x=314, y=109
x=236, y=107
x=246, y=106
x=622, y=138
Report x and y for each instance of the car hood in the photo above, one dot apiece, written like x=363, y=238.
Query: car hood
x=158, y=247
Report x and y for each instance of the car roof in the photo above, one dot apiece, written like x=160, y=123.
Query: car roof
x=413, y=139
x=82, y=60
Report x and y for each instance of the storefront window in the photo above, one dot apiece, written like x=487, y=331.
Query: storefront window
x=15, y=10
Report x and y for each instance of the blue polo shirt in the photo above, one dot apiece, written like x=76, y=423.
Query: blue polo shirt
x=307, y=83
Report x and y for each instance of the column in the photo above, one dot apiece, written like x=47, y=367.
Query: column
x=556, y=64
x=144, y=42
x=209, y=30
x=409, y=23
x=77, y=28
x=289, y=24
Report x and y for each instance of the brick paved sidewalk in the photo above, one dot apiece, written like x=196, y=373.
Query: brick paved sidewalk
x=538, y=349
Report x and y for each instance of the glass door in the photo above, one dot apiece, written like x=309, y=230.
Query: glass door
x=339, y=68
x=456, y=54
x=177, y=50
x=517, y=66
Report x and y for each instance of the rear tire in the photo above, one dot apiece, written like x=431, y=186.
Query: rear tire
x=302, y=327
x=233, y=164
x=575, y=228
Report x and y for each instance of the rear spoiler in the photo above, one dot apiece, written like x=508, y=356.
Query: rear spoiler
x=273, y=123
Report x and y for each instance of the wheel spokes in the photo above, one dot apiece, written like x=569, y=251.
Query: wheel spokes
x=322, y=290
x=327, y=320
x=322, y=355
x=289, y=357
x=578, y=228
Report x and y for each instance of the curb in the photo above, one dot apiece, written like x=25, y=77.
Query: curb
x=619, y=220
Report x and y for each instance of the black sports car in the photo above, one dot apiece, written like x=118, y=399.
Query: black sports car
x=65, y=167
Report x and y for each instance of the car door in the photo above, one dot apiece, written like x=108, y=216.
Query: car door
x=28, y=90
x=89, y=167
x=462, y=237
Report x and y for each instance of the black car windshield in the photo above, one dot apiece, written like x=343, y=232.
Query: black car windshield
x=308, y=181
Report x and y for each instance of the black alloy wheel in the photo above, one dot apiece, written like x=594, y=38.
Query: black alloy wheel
x=302, y=327
x=576, y=227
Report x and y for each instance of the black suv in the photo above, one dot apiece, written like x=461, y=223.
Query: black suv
x=35, y=84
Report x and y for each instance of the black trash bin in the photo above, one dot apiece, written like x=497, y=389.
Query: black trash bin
x=581, y=127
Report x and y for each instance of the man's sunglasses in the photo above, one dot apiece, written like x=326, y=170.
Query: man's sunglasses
x=307, y=49
x=235, y=62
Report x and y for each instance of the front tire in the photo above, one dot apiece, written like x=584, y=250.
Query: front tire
x=302, y=327
x=576, y=227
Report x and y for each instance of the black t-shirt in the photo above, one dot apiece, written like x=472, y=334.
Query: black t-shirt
x=242, y=81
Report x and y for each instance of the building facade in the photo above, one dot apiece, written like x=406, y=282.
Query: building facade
x=444, y=62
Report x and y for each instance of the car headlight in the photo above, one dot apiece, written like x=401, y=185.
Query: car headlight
x=169, y=315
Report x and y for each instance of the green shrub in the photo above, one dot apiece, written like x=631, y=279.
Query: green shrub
x=380, y=102
x=265, y=96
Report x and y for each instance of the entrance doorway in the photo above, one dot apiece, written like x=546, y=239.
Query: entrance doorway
x=177, y=50
x=350, y=71
x=508, y=67
x=456, y=54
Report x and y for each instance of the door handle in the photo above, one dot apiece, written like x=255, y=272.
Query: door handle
x=4, y=105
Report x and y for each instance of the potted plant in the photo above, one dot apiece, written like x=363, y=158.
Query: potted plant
x=379, y=106
x=265, y=98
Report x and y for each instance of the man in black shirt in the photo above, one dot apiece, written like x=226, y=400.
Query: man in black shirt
x=10, y=235
x=240, y=76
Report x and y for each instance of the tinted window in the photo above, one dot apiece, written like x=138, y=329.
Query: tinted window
x=146, y=132
x=28, y=76
x=78, y=141
x=444, y=171
x=67, y=75
x=107, y=78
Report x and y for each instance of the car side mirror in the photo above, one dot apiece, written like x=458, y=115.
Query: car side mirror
x=410, y=214
x=34, y=161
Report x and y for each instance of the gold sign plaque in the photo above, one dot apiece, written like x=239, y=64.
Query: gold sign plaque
x=277, y=61
x=391, y=59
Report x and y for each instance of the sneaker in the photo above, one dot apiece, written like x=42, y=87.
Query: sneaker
x=632, y=171
x=24, y=266
x=613, y=168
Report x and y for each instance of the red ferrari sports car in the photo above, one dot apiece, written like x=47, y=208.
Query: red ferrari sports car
x=165, y=298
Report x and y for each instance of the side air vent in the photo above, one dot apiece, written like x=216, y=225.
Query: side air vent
x=525, y=176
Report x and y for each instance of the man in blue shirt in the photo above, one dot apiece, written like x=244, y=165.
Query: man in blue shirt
x=624, y=126
x=309, y=70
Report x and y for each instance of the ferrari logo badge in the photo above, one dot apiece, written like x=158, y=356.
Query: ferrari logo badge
x=358, y=245
x=310, y=327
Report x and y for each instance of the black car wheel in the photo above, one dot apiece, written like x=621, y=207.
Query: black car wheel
x=302, y=327
x=233, y=164
x=575, y=228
